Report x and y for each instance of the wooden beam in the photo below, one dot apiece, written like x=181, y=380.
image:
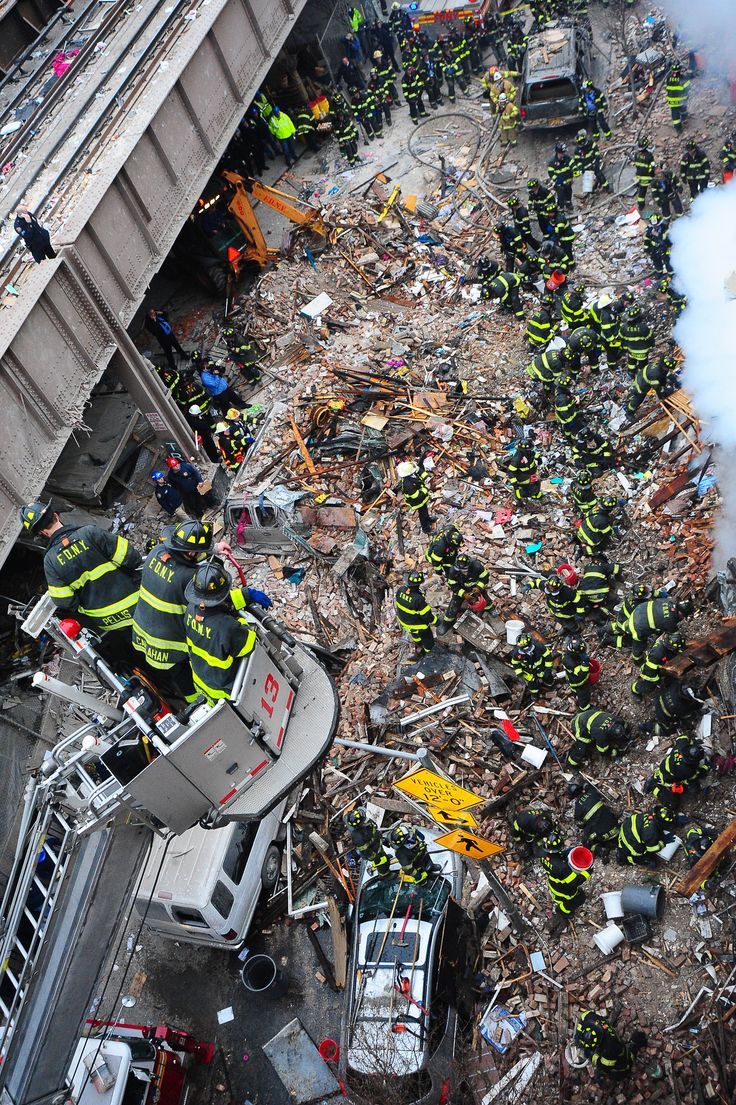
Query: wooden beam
x=302, y=447
x=706, y=865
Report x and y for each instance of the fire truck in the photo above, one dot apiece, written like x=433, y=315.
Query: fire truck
x=132, y=769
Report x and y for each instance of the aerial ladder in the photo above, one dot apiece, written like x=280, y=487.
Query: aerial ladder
x=132, y=769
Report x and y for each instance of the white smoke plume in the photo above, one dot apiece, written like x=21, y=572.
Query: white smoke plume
x=709, y=28
x=704, y=260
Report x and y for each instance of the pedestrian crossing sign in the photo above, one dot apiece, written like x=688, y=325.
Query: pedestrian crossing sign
x=468, y=844
x=433, y=789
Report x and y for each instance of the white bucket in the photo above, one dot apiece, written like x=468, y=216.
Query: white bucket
x=612, y=904
x=514, y=630
x=669, y=849
x=576, y=1057
x=533, y=755
x=608, y=938
x=588, y=181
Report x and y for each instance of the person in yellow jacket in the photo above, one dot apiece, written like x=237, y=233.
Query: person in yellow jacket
x=496, y=82
x=282, y=128
x=509, y=118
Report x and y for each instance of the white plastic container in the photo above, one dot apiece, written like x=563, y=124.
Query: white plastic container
x=514, y=630
x=588, y=181
x=608, y=938
x=533, y=755
x=669, y=850
x=612, y=904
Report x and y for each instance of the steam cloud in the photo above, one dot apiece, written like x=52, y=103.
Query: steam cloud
x=708, y=27
x=704, y=259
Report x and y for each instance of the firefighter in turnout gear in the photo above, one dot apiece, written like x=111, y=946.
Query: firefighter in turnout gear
x=697, y=841
x=346, y=135
x=595, y=588
x=599, y=729
x=547, y=367
x=567, y=411
x=511, y=243
x=412, y=86
x=598, y=822
x=618, y=633
x=523, y=473
x=594, y=452
x=565, y=884
x=467, y=578
x=666, y=191
x=530, y=827
x=543, y=205
x=90, y=573
x=410, y=849
x=604, y=1047
x=695, y=168
x=593, y=108
x=584, y=342
x=576, y=664
x=385, y=79
x=587, y=159
x=414, y=613
x=413, y=486
x=560, y=172
x=532, y=662
x=677, y=89
x=728, y=159
x=541, y=326
x=572, y=309
x=637, y=339
x=366, y=839
x=656, y=376
x=368, y=113
x=217, y=635
x=520, y=215
x=677, y=301
x=679, y=773
x=596, y=528
x=649, y=619
x=674, y=704
x=657, y=245
x=642, y=835
x=505, y=288
x=159, y=632
x=443, y=548
x=582, y=492
x=644, y=170
x=562, y=601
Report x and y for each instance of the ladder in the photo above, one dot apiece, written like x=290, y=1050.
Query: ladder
x=45, y=843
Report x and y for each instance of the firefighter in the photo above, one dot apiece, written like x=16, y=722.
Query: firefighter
x=584, y=342
x=679, y=773
x=650, y=618
x=467, y=578
x=566, y=407
x=505, y=288
x=524, y=474
x=644, y=170
x=728, y=159
x=510, y=242
x=543, y=205
x=576, y=664
x=232, y=448
x=657, y=245
x=187, y=479
x=217, y=633
x=618, y=633
x=587, y=158
x=582, y=493
x=565, y=884
x=516, y=40
x=412, y=86
x=696, y=842
x=592, y=727
x=594, y=452
x=666, y=191
x=90, y=573
x=453, y=73
x=443, y=548
x=695, y=168
x=366, y=110
x=346, y=135
x=596, y=586
x=414, y=613
x=472, y=37
x=677, y=301
x=410, y=849
x=385, y=80
x=599, y=824
x=432, y=78
x=530, y=827
x=675, y=704
x=159, y=632
x=637, y=339
x=572, y=309
x=203, y=427
x=596, y=528
x=560, y=172
x=554, y=259
x=657, y=377
x=603, y=1046
x=642, y=835
x=562, y=601
x=305, y=128
x=593, y=107
x=509, y=118
x=532, y=662
x=366, y=839
x=520, y=215
x=497, y=82
x=413, y=486
x=676, y=90
x=541, y=326
x=564, y=237
x=547, y=368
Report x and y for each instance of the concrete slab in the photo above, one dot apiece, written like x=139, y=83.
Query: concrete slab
x=300, y=1066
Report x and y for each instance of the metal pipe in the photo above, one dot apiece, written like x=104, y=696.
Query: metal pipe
x=361, y=746
x=457, y=701
x=69, y=693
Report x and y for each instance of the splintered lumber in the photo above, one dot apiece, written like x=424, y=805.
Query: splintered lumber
x=705, y=651
x=302, y=447
x=339, y=941
x=688, y=883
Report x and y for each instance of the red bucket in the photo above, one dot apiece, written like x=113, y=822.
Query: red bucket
x=595, y=667
x=568, y=574
x=329, y=1050
x=580, y=858
x=477, y=603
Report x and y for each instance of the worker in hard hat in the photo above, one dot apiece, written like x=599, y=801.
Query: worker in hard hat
x=232, y=446
x=218, y=633
x=413, y=486
x=167, y=497
x=366, y=839
x=90, y=573
x=187, y=480
x=498, y=81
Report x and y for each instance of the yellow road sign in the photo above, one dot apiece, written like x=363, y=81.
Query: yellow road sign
x=452, y=817
x=436, y=791
x=468, y=844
